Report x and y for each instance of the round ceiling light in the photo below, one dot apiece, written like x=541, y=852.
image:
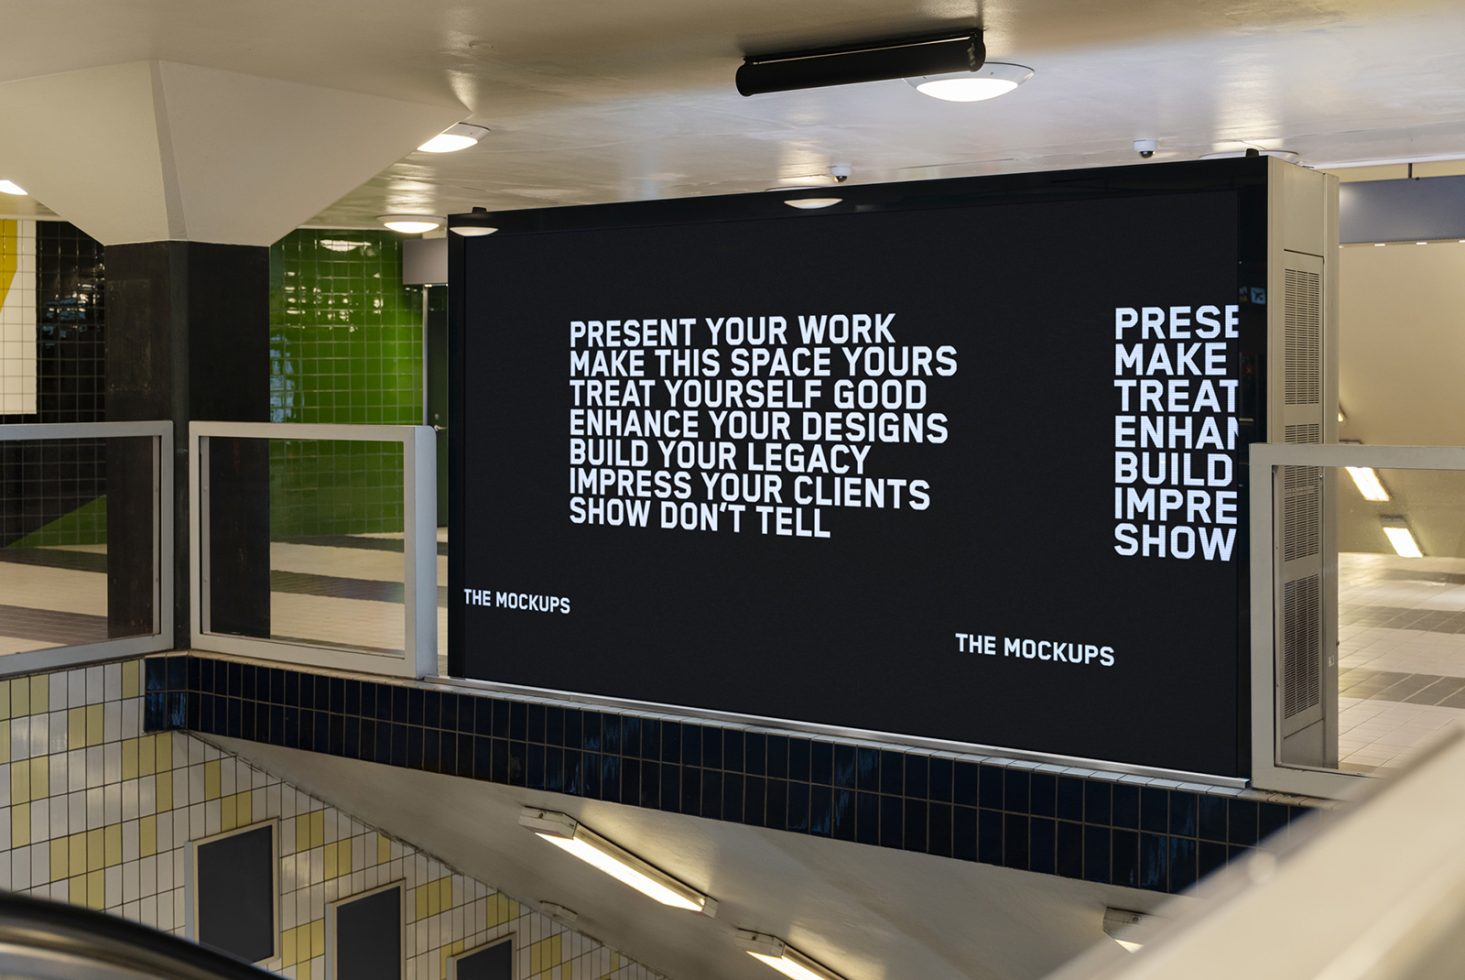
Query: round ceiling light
x=12, y=188
x=472, y=231
x=410, y=224
x=811, y=203
x=455, y=138
x=991, y=80
x=474, y=224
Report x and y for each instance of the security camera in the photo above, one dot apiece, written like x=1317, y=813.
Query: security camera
x=840, y=172
x=1146, y=148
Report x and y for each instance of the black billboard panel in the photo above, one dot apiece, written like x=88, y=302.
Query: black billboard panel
x=960, y=459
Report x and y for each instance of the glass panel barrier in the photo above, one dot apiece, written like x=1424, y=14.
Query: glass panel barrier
x=318, y=545
x=84, y=520
x=1358, y=610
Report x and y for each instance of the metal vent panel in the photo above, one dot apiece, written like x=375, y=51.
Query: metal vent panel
x=1304, y=334
x=1302, y=660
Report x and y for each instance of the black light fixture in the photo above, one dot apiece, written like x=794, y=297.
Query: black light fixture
x=869, y=61
x=474, y=224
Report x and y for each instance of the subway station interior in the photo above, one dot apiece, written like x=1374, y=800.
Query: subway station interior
x=687, y=491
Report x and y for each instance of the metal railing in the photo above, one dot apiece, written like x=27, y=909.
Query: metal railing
x=50, y=582
x=1323, y=524
x=266, y=494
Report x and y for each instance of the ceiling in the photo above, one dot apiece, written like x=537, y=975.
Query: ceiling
x=592, y=101
x=872, y=913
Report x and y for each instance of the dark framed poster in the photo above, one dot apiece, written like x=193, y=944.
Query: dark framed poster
x=956, y=459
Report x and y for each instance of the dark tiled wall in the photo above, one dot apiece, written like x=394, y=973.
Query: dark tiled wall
x=1078, y=824
x=46, y=487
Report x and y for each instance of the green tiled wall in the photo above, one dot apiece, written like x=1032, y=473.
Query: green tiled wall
x=345, y=347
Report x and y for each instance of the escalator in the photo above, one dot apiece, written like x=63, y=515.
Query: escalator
x=48, y=940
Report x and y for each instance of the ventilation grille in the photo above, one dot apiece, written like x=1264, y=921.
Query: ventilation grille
x=1304, y=434
x=1302, y=500
x=1304, y=337
x=1302, y=661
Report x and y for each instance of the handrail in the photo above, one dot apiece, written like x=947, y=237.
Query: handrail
x=52, y=940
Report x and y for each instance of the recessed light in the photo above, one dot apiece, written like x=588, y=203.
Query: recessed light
x=566, y=833
x=455, y=138
x=1396, y=529
x=1379, y=244
x=410, y=224
x=1366, y=479
x=473, y=225
x=991, y=80
x=812, y=203
x=1421, y=243
x=774, y=952
x=12, y=188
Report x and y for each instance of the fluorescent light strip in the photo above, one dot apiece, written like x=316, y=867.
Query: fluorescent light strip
x=1366, y=479
x=12, y=188
x=779, y=955
x=1403, y=541
x=564, y=832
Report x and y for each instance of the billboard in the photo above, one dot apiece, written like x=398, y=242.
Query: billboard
x=958, y=459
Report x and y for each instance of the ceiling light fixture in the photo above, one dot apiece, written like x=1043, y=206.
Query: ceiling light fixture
x=410, y=224
x=474, y=224
x=1396, y=529
x=566, y=833
x=455, y=138
x=812, y=203
x=1366, y=479
x=1129, y=929
x=1291, y=156
x=991, y=80
x=12, y=188
x=867, y=61
x=774, y=952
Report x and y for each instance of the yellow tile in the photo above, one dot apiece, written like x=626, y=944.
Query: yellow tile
x=536, y=957
x=446, y=901
x=557, y=949
x=211, y=780
x=318, y=937
x=20, y=784
x=302, y=832
x=420, y=899
x=513, y=907
x=4, y=699
x=76, y=890
x=132, y=679
x=4, y=739
x=147, y=836
x=244, y=807
x=146, y=755
x=40, y=777
x=59, y=853
x=129, y=758
x=96, y=850
x=331, y=853
x=287, y=947
x=318, y=828
x=164, y=751
x=76, y=728
x=434, y=899
x=383, y=849
x=343, y=863
x=20, y=699
x=40, y=693
x=20, y=826
x=164, y=792
x=113, y=844
x=76, y=853
x=94, y=724
x=96, y=890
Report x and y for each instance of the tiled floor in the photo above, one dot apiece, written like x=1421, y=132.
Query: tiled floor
x=345, y=591
x=1401, y=647
x=1401, y=624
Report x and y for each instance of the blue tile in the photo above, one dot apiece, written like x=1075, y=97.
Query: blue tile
x=777, y=756
x=892, y=773
x=1154, y=810
x=964, y=784
x=1070, y=849
x=940, y=789
x=1096, y=865
x=842, y=813
x=1153, y=862
x=917, y=777
x=1212, y=857
x=1126, y=806
x=712, y=794
x=692, y=790
x=867, y=818
x=1125, y=846
x=892, y=822
x=821, y=810
x=1211, y=823
x=989, y=836
x=867, y=768
x=1182, y=863
x=799, y=760
x=691, y=745
x=844, y=767
x=1242, y=821
x=1070, y=799
x=821, y=763
x=755, y=754
x=1043, y=788
x=1098, y=802
x=916, y=819
x=989, y=781
x=1015, y=840
x=755, y=797
x=671, y=742
x=938, y=836
x=1042, y=845
x=1183, y=813
x=798, y=807
x=964, y=833
x=1271, y=817
x=776, y=804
